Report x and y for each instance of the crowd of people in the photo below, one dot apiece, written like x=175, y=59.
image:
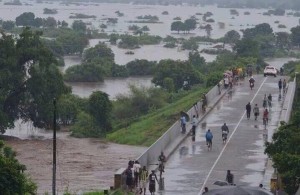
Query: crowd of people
x=137, y=177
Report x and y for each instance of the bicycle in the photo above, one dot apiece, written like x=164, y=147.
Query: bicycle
x=265, y=122
x=161, y=168
x=224, y=137
x=209, y=145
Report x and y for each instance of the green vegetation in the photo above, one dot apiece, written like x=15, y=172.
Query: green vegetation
x=186, y=26
x=12, y=177
x=284, y=148
x=170, y=45
x=30, y=80
x=141, y=67
x=133, y=42
x=81, y=16
x=50, y=11
x=148, y=128
x=97, y=63
x=149, y=18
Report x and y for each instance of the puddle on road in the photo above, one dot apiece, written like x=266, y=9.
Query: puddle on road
x=253, y=179
x=258, y=166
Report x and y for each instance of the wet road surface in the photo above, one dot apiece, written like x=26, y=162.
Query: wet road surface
x=192, y=166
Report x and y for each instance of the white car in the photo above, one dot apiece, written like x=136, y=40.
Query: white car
x=270, y=70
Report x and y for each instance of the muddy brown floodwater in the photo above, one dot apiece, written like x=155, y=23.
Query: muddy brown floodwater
x=82, y=164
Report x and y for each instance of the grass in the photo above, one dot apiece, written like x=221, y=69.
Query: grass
x=151, y=126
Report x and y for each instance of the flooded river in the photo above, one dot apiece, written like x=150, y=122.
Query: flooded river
x=149, y=52
x=91, y=159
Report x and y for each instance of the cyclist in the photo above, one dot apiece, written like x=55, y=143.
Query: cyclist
x=209, y=137
x=225, y=132
x=266, y=116
x=251, y=82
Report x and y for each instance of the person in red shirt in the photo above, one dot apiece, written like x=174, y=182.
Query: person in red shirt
x=266, y=115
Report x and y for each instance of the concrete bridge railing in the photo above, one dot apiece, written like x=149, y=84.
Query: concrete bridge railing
x=271, y=177
x=150, y=156
x=173, y=135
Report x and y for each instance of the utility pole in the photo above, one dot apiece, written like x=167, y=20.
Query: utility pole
x=54, y=150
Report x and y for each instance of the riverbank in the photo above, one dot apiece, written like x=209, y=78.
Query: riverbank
x=150, y=127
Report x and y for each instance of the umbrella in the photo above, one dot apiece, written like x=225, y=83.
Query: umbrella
x=238, y=190
x=221, y=183
x=226, y=74
x=187, y=117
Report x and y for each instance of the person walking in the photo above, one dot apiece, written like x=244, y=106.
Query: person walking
x=265, y=101
x=136, y=168
x=129, y=178
x=270, y=100
x=152, y=179
x=248, y=110
x=143, y=180
x=209, y=137
x=230, y=177
x=280, y=85
x=226, y=82
x=205, y=190
x=256, y=111
x=266, y=116
x=183, y=124
x=284, y=85
x=194, y=125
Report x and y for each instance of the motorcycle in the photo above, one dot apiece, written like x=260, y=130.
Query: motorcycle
x=224, y=136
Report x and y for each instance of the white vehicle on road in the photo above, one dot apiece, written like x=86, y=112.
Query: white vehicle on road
x=270, y=70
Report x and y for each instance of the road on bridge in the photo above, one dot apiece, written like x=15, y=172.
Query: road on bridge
x=192, y=166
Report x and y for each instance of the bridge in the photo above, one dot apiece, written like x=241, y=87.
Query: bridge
x=191, y=167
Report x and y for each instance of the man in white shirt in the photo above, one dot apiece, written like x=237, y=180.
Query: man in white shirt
x=136, y=169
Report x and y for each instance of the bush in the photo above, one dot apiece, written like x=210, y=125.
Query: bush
x=149, y=40
x=281, y=26
x=88, y=72
x=12, y=178
x=213, y=79
x=170, y=45
x=85, y=126
x=190, y=45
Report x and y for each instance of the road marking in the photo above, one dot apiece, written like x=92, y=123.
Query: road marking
x=221, y=153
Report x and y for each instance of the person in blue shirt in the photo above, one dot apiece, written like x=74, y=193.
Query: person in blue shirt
x=209, y=136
